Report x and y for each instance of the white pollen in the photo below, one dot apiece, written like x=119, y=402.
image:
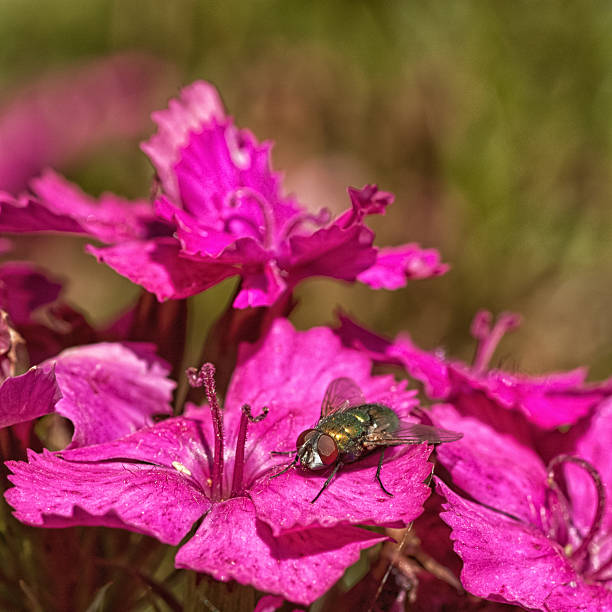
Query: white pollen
x=179, y=467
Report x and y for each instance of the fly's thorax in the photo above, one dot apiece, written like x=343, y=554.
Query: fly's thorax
x=351, y=428
x=346, y=428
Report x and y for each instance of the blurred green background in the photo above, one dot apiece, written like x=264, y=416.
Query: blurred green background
x=490, y=121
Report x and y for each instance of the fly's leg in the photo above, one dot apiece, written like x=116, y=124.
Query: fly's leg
x=287, y=468
x=282, y=452
x=329, y=479
x=377, y=477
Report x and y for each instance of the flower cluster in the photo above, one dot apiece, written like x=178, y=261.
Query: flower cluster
x=517, y=512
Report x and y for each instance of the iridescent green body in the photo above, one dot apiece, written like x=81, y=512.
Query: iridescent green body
x=356, y=428
x=350, y=428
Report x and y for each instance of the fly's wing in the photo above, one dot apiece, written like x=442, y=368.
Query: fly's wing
x=412, y=433
x=341, y=394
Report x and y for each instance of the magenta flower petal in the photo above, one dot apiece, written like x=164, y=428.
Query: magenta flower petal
x=289, y=372
x=109, y=218
x=396, y=265
x=180, y=444
x=23, y=289
x=493, y=468
x=369, y=200
x=579, y=597
x=559, y=398
x=199, y=104
x=29, y=215
x=333, y=251
x=224, y=174
x=353, y=497
x=158, y=267
x=29, y=396
x=261, y=289
x=52, y=492
x=108, y=391
x=504, y=559
x=591, y=440
x=429, y=367
x=60, y=206
x=233, y=544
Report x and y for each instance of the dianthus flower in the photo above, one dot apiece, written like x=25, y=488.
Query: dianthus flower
x=33, y=303
x=106, y=390
x=254, y=529
x=219, y=212
x=548, y=401
x=84, y=384
x=532, y=531
x=527, y=505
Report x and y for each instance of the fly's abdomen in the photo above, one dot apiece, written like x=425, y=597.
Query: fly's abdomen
x=382, y=419
x=352, y=429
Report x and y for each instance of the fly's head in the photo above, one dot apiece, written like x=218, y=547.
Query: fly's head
x=316, y=449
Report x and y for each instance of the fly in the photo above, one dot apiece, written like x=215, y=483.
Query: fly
x=350, y=428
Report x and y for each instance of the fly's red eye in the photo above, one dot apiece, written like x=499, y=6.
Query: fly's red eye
x=304, y=437
x=328, y=451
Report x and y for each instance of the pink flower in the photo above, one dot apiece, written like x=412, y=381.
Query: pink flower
x=106, y=390
x=23, y=289
x=548, y=401
x=255, y=530
x=532, y=533
x=527, y=505
x=85, y=384
x=220, y=212
x=63, y=207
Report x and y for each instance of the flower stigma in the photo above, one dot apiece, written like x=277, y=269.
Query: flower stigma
x=580, y=554
x=266, y=233
x=489, y=336
x=205, y=378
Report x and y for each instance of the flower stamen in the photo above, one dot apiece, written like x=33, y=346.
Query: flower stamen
x=205, y=377
x=489, y=336
x=245, y=419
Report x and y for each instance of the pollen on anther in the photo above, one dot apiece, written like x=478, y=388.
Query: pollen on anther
x=179, y=467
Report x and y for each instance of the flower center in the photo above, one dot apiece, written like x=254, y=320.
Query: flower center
x=240, y=201
x=578, y=548
x=489, y=335
x=205, y=378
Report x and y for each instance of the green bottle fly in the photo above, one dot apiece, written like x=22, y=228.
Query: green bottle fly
x=349, y=428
